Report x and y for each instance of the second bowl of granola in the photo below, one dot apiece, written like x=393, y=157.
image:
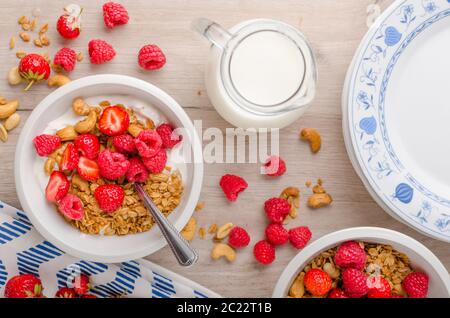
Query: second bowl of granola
x=364, y=262
x=82, y=149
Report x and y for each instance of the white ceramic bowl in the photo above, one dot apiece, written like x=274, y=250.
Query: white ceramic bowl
x=44, y=215
x=422, y=259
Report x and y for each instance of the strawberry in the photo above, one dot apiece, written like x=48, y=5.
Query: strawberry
x=71, y=207
x=378, y=287
x=81, y=284
x=337, y=293
x=46, y=144
x=114, y=121
x=57, y=187
x=88, y=169
x=65, y=292
x=69, y=159
x=109, y=197
x=88, y=145
x=23, y=286
x=69, y=24
x=317, y=282
x=416, y=285
x=33, y=68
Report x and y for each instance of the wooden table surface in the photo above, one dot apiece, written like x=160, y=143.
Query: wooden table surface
x=334, y=29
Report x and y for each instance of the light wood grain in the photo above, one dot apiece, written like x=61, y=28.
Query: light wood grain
x=334, y=29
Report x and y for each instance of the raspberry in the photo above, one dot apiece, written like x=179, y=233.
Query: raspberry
x=137, y=171
x=148, y=143
x=317, y=282
x=232, y=185
x=100, y=51
x=416, y=285
x=169, y=138
x=378, y=287
x=157, y=163
x=337, y=293
x=300, y=236
x=109, y=197
x=150, y=57
x=277, y=209
x=238, y=237
x=264, y=252
x=276, y=234
x=275, y=166
x=46, y=144
x=65, y=58
x=355, y=283
x=71, y=207
x=112, y=165
x=87, y=145
x=350, y=254
x=114, y=14
x=124, y=144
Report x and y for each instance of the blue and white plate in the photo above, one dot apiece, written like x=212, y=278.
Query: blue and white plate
x=396, y=107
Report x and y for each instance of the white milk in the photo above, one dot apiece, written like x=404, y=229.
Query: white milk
x=267, y=68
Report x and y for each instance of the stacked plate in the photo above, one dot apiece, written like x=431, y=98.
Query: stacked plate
x=396, y=114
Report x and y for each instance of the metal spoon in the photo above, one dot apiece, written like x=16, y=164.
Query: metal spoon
x=183, y=251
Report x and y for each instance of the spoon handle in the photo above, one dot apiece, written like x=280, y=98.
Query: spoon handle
x=184, y=253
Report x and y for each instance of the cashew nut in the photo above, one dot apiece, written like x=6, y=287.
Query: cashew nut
x=3, y=133
x=49, y=166
x=12, y=122
x=67, y=133
x=297, y=289
x=14, y=77
x=319, y=200
x=87, y=124
x=58, y=80
x=80, y=107
x=223, y=250
x=80, y=183
x=331, y=270
x=135, y=130
x=189, y=230
x=8, y=109
x=223, y=231
x=313, y=137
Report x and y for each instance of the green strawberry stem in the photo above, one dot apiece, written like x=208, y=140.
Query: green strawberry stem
x=29, y=85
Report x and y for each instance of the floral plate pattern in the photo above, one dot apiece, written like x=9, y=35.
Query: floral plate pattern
x=366, y=87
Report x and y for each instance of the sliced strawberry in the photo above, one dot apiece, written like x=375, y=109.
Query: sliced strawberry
x=88, y=145
x=57, y=187
x=69, y=159
x=114, y=121
x=88, y=169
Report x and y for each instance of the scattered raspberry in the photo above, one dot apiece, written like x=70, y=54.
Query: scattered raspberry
x=151, y=57
x=317, y=282
x=157, y=163
x=46, y=144
x=416, y=285
x=276, y=234
x=69, y=159
x=88, y=169
x=232, y=185
x=100, y=51
x=337, y=293
x=81, y=284
x=378, y=287
x=300, y=236
x=148, y=143
x=71, y=207
x=65, y=58
x=238, y=237
x=109, y=197
x=277, y=209
x=23, y=286
x=58, y=186
x=169, y=138
x=355, y=283
x=87, y=145
x=350, y=254
x=124, y=144
x=113, y=121
x=112, y=165
x=264, y=252
x=65, y=292
x=114, y=14
x=275, y=166
x=137, y=171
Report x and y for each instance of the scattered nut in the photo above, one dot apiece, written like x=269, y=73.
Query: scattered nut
x=223, y=250
x=292, y=195
x=319, y=200
x=104, y=103
x=33, y=24
x=37, y=42
x=313, y=136
x=8, y=109
x=23, y=19
x=318, y=189
x=3, y=133
x=80, y=107
x=44, y=39
x=14, y=77
x=67, y=133
x=24, y=36
x=49, y=166
x=134, y=130
x=290, y=192
x=21, y=54
x=88, y=124
x=12, y=43
x=212, y=229
x=3, y=100
x=12, y=122
x=201, y=233
x=26, y=26
x=44, y=28
x=149, y=123
x=223, y=231
x=80, y=56
x=199, y=206
x=58, y=80
x=298, y=287
x=189, y=230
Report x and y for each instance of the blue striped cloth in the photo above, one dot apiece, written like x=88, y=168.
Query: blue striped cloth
x=23, y=250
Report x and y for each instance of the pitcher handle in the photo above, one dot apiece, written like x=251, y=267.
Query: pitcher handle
x=212, y=31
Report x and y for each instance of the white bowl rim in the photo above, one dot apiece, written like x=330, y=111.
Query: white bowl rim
x=197, y=176
x=363, y=234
